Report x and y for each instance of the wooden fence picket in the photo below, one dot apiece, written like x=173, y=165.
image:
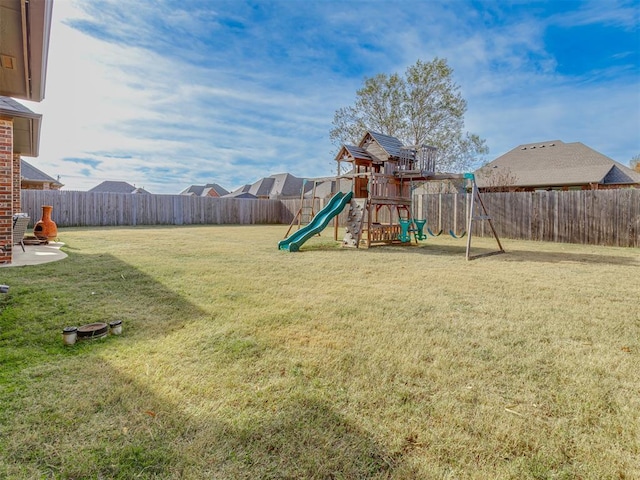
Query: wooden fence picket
x=596, y=217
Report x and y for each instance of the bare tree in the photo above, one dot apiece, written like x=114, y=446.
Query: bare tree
x=422, y=107
x=496, y=179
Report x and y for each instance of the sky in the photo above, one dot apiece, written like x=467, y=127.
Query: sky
x=165, y=94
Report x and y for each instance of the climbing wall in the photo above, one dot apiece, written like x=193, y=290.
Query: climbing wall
x=355, y=220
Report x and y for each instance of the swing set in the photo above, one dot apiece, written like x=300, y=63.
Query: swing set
x=475, y=211
x=454, y=229
x=455, y=218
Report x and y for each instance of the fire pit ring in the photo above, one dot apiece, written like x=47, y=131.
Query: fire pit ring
x=93, y=330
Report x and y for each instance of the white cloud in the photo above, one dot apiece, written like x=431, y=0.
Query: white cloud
x=164, y=119
x=105, y=100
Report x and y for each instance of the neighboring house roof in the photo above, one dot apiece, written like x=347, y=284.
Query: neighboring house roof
x=324, y=188
x=552, y=164
x=278, y=186
x=287, y=185
x=203, y=190
x=262, y=188
x=26, y=126
x=281, y=185
x=238, y=194
x=31, y=174
x=24, y=37
x=116, y=187
x=242, y=192
x=242, y=189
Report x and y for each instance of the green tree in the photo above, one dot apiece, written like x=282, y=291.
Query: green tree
x=422, y=107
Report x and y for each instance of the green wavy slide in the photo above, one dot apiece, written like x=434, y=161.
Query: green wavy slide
x=294, y=241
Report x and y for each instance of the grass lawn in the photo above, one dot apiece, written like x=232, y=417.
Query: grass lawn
x=238, y=361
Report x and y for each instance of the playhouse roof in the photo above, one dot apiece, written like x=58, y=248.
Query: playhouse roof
x=391, y=145
x=351, y=152
x=373, y=146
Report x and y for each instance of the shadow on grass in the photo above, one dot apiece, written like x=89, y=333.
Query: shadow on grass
x=125, y=430
x=568, y=257
x=432, y=249
x=67, y=413
x=512, y=255
x=80, y=290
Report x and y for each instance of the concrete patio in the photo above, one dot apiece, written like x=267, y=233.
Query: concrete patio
x=36, y=254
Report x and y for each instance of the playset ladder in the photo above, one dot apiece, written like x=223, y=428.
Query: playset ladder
x=305, y=213
x=355, y=222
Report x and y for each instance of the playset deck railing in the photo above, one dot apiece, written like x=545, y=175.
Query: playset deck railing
x=420, y=158
x=382, y=186
x=379, y=233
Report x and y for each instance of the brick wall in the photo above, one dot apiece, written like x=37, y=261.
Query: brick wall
x=6, y=188
x=16, y=184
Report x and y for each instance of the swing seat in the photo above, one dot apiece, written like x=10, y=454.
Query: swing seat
x=405, y=234
x=418, y=231
x=434, y=234
x=457, y=236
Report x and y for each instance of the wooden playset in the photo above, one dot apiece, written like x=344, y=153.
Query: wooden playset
x=376, y=180
x=382, y=174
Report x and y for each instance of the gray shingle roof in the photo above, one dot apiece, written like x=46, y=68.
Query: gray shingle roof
x=202, y=190
x=622, y=175
x=31, y=173
x=324, y=189
x=287, y=185
x=240, y=194
x=26, y=126
x=390, y=144
x=216, y=188
x=275, y=186
x=10, y=106
x=357, y=152
x=116, y=187
x=278, y=185
x=262, y=188
x=554, y=163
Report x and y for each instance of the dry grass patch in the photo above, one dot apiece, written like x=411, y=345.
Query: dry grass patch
x=241, y=361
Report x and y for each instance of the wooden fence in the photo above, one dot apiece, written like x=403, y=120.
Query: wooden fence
x=75, y=209
x=596, y=217
x=593, y=217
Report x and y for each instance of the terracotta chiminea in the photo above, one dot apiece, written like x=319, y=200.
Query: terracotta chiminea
x=46, y=229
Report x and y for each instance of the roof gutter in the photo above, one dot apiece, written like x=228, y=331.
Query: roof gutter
x=25, y=47
x=36, y=27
